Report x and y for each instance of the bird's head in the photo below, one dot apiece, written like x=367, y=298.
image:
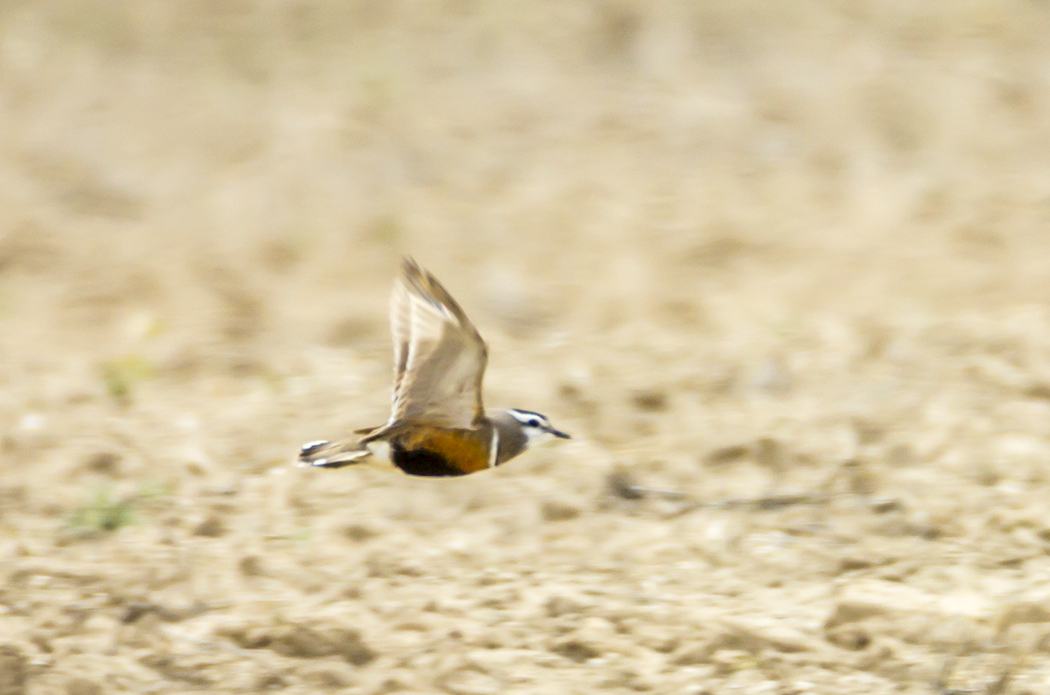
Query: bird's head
x=536, y=428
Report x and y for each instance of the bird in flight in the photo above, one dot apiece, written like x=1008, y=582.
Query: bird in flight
x=438, y=426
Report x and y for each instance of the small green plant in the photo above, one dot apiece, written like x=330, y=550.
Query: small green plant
x=103, y=513
x=121, y=374
x=152, y=496
x=155, y=489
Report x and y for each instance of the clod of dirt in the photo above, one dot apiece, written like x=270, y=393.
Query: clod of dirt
x=558, y=606
x=104, y=462
x=769, y=453
x=29, y=248
x=851, y=564
x=868, y=431
x=83, y=686
x=861, y=477
x=849, y=637
x=623, y=485
x=692, y=654
x=306, y=642
x=395, y=682
x=280, y=255
x=133, y=610
x=330, y=675
x=211, y=527
x=727, y=454
x=655, y=637
x=252, y=566
x=754, y=639
x=850, y=612
x=1022, y=612
x=270, y=682
x=467, y=681
x=359, y=533
x=1037, y=390
x=554, y=510
x=576, y=649
x=650, y=400
x=885, y=505
x=14, y=670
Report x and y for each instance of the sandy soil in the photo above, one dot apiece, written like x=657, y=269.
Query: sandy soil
x=738, y=249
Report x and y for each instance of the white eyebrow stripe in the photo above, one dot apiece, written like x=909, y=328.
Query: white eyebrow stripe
x=523, y=416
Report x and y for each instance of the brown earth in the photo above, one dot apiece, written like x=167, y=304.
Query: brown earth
x=738, y=249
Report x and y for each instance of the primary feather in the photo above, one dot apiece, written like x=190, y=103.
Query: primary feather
x=439, y=356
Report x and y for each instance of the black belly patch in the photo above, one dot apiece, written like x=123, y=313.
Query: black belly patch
x=422, y=462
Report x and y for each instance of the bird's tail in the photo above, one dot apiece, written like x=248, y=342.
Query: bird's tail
x=333, y=454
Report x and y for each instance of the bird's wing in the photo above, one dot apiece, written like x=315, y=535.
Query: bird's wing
x=439, y=357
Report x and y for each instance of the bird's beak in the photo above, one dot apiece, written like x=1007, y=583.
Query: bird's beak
x=559, y=434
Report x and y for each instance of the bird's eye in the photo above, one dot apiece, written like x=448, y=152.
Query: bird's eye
x=534, y=422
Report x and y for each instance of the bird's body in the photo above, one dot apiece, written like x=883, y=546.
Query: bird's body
x=438, y=427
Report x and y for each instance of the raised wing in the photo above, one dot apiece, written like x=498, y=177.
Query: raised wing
x=439, y=357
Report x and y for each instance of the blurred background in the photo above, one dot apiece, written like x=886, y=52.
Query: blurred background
x=737, y=249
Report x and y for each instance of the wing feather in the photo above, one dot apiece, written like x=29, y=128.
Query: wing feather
x=439, y=356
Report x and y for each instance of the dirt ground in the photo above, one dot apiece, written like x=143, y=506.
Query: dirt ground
x=739, y=250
